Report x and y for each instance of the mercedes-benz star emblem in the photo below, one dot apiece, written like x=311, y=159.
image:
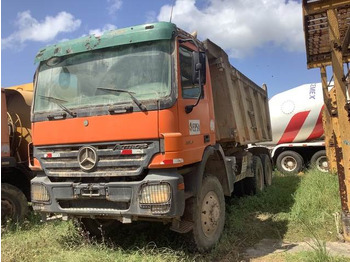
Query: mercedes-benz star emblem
x=87, y=158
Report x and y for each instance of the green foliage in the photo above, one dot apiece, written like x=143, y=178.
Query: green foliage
x=294, y=208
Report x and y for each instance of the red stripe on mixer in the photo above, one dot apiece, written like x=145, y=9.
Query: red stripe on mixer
x=318, y=129
x=293, y=127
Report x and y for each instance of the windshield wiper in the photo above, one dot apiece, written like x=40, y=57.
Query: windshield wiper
x=58, y=102
x=131, y=94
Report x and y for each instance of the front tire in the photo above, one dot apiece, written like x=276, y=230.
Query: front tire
x=289, y=162
x=319, y=160
x=14, y=204
x=209, y=214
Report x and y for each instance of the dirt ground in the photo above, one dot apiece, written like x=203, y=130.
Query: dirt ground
x=268, y=249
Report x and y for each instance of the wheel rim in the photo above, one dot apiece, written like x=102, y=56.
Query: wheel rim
x=289, y=163
x=322, y=164
x=210, y=213
x=7, y=208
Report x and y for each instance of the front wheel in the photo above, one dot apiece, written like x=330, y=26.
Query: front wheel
x=14, y=204
x=209, y=214
x=289, y=162
x=319, y=160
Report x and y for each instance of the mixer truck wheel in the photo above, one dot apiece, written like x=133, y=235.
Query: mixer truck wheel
x=319, y=160
x=289, y=162
x=267, y=165
x=255, y=184
x=14, y=204
x=208, y=214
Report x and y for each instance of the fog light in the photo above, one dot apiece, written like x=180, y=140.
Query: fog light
x=160, y=209
x=40, y=193
x=155, y=194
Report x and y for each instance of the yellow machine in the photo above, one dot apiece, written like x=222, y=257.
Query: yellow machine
x=15, y=138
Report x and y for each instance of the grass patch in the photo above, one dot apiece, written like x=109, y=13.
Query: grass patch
x=294, y=208
x=314, y=256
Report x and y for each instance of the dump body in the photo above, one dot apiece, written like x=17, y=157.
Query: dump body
x=241, y=106
x=19, y=101
x=5, y=139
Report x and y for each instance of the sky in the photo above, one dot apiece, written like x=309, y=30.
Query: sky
x=263, y=38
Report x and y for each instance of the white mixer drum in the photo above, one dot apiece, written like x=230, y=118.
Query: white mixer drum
x=296, y=114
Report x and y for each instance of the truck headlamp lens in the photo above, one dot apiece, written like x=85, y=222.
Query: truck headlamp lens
x=40, y=193
x=155, y=194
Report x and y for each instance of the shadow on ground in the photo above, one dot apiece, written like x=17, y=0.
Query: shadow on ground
x=249, y=219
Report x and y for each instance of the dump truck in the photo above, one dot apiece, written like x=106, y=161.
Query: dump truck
x=297, y=130
x=146, y=123
x=15, y=140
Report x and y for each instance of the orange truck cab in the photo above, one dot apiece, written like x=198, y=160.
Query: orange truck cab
x=145, y=123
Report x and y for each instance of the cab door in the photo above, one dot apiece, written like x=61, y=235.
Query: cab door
x=197, y=127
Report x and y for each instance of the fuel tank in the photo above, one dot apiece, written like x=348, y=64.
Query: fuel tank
x=296, y=114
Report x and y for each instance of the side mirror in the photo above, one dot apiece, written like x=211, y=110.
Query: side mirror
x=198, y=68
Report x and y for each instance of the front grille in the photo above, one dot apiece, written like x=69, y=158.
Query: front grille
x=62, y=161
x=91, y=204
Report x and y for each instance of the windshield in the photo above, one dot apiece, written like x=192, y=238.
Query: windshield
x=85, y=79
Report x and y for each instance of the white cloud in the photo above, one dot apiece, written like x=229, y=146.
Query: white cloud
x=30, y=29
x=151, y=17
x=114, y=6
x=243, y=25
x=100, y=31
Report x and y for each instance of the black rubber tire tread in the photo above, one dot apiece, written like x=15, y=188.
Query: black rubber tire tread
x=202, y=242
x=256, y=183
x=316, y=156
x=267, y=166
x=299, y=159
x=98, y=228
x=17, y=199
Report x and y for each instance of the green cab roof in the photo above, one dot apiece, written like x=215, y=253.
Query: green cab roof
x=124, y=36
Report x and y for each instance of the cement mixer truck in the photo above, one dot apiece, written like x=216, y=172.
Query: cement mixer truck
x=296, y=120
x=15, y=138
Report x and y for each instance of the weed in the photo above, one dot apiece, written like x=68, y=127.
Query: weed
x=277, y=213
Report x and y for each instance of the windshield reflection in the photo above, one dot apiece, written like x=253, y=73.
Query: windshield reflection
x=78, y=80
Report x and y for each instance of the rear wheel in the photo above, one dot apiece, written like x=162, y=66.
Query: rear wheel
x=289, y=162
x=319, y=160
x=14, y=204
x=267, y=166
x=208, y=214
x=255, y=184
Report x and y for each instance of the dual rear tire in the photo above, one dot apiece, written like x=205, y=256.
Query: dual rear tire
x=291, y=162
x=262, y=170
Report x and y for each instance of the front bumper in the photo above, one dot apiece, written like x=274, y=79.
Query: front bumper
x=113, y=200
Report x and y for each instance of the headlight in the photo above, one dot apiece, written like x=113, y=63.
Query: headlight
x=39, y=193
x=155, y=194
